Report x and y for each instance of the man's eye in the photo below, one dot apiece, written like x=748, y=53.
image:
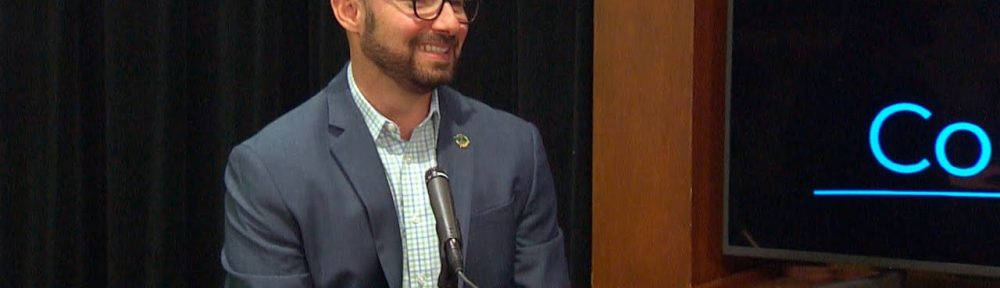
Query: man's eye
x=424, y=3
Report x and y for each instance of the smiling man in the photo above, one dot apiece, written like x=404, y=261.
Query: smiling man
x=332, y=193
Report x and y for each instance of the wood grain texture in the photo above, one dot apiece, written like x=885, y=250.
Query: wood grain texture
x=745, y=279
x=642, y=143
x=708, y=130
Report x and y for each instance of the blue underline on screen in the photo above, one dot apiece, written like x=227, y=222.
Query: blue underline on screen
x=908, y=193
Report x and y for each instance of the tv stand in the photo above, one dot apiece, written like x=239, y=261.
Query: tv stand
x=888, y=279
x=837, y=276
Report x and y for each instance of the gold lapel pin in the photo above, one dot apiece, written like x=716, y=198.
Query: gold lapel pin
x=462, y=141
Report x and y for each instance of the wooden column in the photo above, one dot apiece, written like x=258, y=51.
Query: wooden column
x=643, y=89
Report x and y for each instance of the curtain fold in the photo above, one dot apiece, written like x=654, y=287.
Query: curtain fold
x=117, y=118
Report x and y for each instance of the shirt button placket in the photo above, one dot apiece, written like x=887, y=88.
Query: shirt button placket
x=422, y=281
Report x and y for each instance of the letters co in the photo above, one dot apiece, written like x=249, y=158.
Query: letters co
x=985, y=151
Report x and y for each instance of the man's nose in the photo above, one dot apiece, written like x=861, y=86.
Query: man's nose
x=448, y=20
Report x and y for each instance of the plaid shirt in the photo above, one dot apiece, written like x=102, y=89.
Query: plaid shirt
x=405, y=163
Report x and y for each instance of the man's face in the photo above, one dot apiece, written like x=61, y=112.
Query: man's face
x=420, y=54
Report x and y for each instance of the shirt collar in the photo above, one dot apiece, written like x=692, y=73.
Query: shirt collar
x=375, y=120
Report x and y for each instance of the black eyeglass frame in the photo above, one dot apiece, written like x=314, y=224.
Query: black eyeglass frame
x=471, y=16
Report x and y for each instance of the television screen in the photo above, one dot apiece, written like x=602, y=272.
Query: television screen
x=865, y=132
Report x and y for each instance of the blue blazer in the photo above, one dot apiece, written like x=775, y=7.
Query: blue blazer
x=307, y=202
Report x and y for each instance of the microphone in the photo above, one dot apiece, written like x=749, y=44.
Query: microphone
x=444, y=212
x=447, y=226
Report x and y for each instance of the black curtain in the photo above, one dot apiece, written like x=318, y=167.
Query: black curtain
x=117, y=118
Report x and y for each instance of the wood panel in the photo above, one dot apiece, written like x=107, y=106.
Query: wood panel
x=708, y=129
x=642, y=143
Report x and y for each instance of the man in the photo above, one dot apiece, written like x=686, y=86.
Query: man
x=332, y=193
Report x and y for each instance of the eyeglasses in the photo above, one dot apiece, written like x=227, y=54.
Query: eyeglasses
x=465, y=10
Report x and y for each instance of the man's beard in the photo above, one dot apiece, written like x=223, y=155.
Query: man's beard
x=402, y=66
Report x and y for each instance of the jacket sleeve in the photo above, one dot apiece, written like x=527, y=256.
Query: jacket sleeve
x=262, y=246
x=540, y=259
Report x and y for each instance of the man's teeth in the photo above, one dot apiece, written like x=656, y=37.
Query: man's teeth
x=434, y=49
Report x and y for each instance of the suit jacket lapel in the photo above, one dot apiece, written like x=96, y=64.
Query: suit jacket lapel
x=457, y=162
x=354, y=150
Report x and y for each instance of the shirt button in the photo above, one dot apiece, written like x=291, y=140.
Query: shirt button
x=408, y=158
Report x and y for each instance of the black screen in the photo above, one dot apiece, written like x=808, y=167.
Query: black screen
x=865, y=131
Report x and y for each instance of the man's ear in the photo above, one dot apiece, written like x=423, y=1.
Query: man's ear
x=348, y=14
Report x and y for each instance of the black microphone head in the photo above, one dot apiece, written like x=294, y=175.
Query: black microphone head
x=435, y=172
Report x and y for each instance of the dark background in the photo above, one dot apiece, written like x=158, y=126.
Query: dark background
x=808, y=78
x=117, y=118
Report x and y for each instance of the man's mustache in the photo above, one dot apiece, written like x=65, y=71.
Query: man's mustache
x=438, y=39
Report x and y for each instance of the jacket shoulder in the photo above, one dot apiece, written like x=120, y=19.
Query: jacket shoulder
x=292, y=133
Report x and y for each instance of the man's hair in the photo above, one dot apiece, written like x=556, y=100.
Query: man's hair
x=369, y=15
